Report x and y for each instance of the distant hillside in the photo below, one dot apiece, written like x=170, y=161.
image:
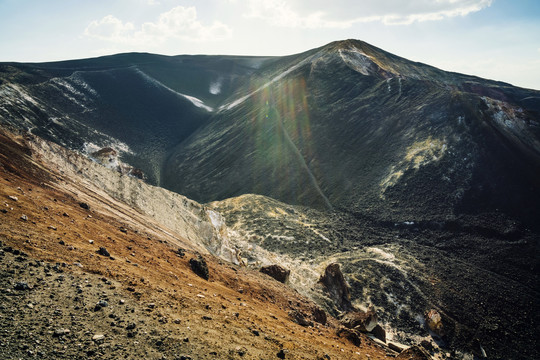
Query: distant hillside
x=345, y=126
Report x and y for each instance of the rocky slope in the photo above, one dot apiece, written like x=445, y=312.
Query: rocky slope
x=475, y=274
x=84, y=275
x=352, y=127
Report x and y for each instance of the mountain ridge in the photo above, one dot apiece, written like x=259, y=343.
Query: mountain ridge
x=416, y=181
x=185, y=97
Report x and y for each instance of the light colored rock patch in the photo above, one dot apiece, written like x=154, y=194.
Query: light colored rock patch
x=182, y=221
x=417, y=155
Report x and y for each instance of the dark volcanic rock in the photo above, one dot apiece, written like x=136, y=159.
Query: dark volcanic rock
x=22, y=285
x=199, y=267
x=379, y=333
x=350, y=335
x=103, y=251
x=364, y=321
x=277, y=272
x=300, y=318
x=319, y=315
x=337, y=288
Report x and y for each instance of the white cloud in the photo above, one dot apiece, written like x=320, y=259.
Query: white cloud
x=178, y=23
x=109, y=28
x=345, y=13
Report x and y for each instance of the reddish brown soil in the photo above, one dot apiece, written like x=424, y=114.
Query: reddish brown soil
x=237, y=313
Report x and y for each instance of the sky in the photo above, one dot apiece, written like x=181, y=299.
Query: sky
x=494, y=39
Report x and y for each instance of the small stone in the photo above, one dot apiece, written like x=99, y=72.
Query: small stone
x=14, y=198
x=24, y=217
x=102, y=251
x=76, y=263
x=151, y=305
x=281, y=354
x=122, y=302
x=90, y=241
x=51, y=227
x=414, y=352
x=180, y=252
x=22, y=286
x=30, y=305
x=98, y=338
x=240, y=350
x=123, y=229
x=84, y=206
x=205, y=317
x=131, y=326
x=61, y=332
x=101, y=304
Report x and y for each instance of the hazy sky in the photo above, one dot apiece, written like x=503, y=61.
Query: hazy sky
x=495, y=39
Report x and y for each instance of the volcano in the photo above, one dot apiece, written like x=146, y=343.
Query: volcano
x=423, y=184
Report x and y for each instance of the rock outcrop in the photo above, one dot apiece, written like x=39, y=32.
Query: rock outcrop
x=337, y=288
x=364, y=321
x=199, y=267
x=434, y=322
x=277, y=272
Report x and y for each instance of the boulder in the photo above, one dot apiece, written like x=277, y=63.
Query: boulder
x=350, y=335
x=336, y=286
x=414, y=353
x=199, y=267
x=434, y=322
x=300, y=318
x=319, y=315
x=277, y=272
x=107, y=157
x=103, y=252
x=364, y=321
x=379, y=333
x=427, y=345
